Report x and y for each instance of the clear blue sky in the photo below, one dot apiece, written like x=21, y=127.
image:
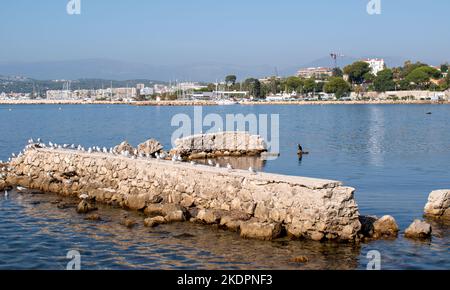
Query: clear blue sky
x=246, y=32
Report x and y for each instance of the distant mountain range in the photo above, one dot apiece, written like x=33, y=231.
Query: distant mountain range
x=120, y=70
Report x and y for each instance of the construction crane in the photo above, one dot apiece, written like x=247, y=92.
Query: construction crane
x=334, y=57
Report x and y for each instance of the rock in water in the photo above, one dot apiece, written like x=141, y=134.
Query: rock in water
x=93, y=217
x=418, y=230
x=300, y=260
x=367, y=225
x=129, y=223
x=261, y=231
x=438, y=205
x=150, y=147
x=85, y=207
x=154, y=221
x=124, y=147
x=385, y=227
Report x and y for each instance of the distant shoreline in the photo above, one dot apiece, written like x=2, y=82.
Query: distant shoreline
x=212, y=103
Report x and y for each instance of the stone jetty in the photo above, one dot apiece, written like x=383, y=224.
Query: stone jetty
x=219, y=144
x=258, y=205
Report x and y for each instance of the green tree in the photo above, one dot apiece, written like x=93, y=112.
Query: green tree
x=337, y=72
x=293, y=83
x=369, y=77
x=309, y=85
x=337, y=86
x=230, y=80
x=444, y=68
x=356, y=71
x=384, y=81
x=420, y=77
x=253, y=86
x=408, y=67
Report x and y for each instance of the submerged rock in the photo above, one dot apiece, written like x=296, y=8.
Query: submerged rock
x=85, y=207
x=129, y=223
x=418, y=230
x=385, y=227
x=300, y=260
x=438, y=205
x=266, y=231
x=93, y=217
x=154, y=221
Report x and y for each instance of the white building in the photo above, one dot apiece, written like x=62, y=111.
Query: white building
x=376, y=64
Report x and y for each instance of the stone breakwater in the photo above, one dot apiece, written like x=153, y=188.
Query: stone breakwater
x=258, y=205
x=219, y=144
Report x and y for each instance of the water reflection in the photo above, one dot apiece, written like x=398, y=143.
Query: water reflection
x=376, y=136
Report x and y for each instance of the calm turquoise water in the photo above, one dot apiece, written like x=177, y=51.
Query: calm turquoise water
x=394, y=155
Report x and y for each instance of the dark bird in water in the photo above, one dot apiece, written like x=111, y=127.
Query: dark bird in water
x=429, y=113
x=300, y=151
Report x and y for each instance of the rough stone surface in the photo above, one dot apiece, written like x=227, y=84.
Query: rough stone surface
x=149, y=147
x=154, y=221
x=263, y=231
x=385, y=227
x=176, y=216
x=219, y=144
x=418, y=230
x=438, y=205
x=209, y=216
x=85, y=207
x=305, y=207
x=124, y=146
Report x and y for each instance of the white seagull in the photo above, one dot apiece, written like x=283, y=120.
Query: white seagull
x=252, y=170
x=84, y=196
x=21, y=189
x=229, y=166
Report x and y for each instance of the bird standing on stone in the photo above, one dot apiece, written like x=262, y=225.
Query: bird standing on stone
x=210, y=162
x=229, y=167
x=252, y=170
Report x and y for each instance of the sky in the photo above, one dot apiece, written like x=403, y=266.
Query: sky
x=247, y=32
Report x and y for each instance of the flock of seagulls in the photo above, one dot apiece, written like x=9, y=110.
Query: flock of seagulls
x=38, y=143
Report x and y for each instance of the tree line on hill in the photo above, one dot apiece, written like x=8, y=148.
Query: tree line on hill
x=356, y=77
